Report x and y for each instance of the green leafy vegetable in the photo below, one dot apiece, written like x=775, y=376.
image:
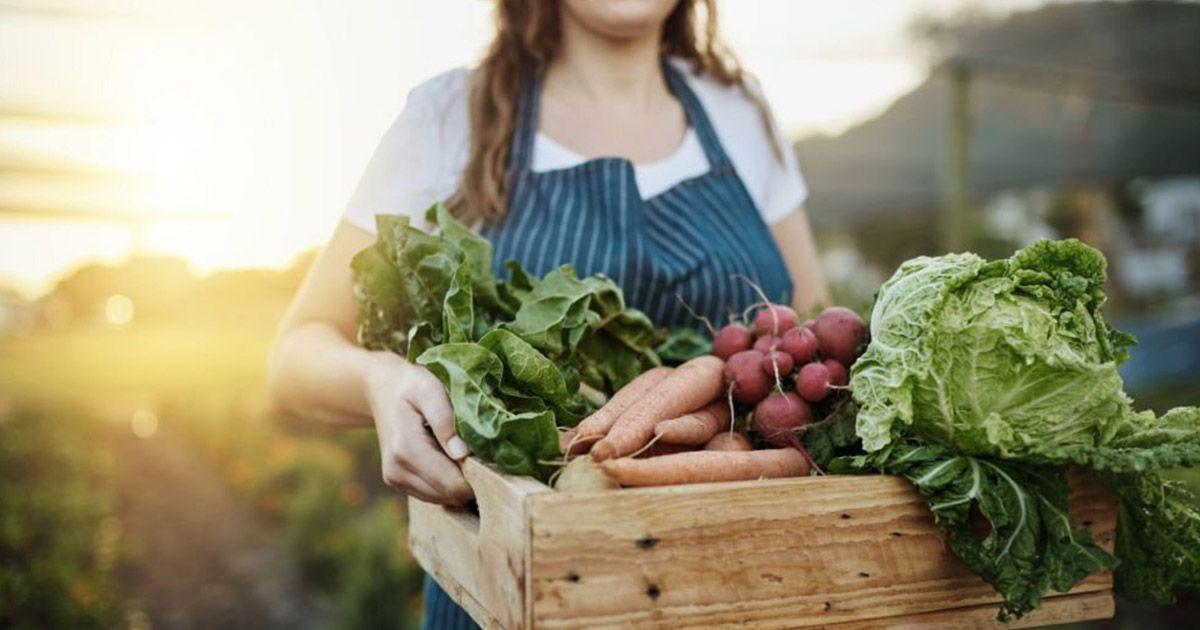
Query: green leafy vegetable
x=513, y=354
x=994, y=357
x=683, y=344
x=983, y=381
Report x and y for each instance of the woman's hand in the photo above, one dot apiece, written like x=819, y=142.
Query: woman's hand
x=404, y=398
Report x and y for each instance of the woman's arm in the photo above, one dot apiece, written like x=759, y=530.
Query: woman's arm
x=317, y=370
x=794, y=238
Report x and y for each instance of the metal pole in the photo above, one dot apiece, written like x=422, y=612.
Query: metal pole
x=954, y=220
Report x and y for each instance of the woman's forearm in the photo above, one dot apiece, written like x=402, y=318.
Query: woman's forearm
x=317, y=373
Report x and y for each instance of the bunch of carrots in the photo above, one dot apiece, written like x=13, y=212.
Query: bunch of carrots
x=700, y=422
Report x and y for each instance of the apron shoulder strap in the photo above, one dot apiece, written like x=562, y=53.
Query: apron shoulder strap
x=528, y=104
x=697, y=117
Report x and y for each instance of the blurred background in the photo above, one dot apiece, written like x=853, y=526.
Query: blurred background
x=168, y=167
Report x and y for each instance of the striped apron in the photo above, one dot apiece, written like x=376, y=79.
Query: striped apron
x=695, y=243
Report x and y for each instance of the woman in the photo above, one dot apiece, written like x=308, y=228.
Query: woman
x=615, y=135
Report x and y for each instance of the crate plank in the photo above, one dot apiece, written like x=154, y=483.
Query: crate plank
x=840, y=552
x=793, y=552
x=1055, y=610
x=482, y=560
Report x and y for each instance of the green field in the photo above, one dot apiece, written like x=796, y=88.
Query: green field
x=201, y=384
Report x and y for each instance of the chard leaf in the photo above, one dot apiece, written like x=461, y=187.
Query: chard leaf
x=1030, y=548
x=555, y=315
x=681, y=345
x=515, y=441
x=382, y=309
x=824, y=440
x=477, y=255
x=535, y=373
x=458, y=307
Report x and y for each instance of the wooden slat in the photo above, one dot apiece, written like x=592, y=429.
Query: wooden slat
x=781, y=553
x=1055, y=610
x=481, y=561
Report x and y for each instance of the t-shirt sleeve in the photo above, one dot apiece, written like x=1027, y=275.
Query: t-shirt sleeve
x=783, y=188
x=413, y=165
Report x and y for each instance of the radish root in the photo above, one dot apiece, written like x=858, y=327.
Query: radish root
x=687, y=307
x=765, y=301
x=647, y=446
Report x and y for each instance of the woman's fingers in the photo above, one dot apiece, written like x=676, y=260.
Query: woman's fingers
x=428, y=396
x=424, y=458
x=400, y=478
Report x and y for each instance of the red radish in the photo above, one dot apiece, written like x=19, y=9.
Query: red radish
x=776, y=359
x=775, y=319
x=841, y=331
x=837, y=373
x=766, y=344
x=743, y=372
x=813, y=382
x=729, y=441
x=801, y=343
x=731, y=340
x=780, y=416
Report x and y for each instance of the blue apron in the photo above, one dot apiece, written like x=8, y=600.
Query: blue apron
x=696, y=242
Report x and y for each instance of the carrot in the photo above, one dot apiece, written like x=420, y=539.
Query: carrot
x=707, y=466
x=599, y=423
x=695, y=428
x=728, y=441
x=690, y=387
x=662, y=448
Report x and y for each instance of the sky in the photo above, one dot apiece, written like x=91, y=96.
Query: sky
x=236, y=131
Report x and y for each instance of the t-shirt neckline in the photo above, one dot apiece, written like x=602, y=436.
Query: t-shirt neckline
x=551, y=155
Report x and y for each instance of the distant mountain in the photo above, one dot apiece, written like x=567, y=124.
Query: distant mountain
x=1083, y=92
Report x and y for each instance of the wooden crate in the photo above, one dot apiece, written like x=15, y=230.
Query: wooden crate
x=833, y=552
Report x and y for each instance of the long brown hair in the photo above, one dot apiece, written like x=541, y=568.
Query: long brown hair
x=527, y=38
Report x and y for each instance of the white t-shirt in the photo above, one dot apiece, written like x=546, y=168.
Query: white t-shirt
x=420, y=159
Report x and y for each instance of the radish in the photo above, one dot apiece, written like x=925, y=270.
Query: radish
x=766, y=344
x=837, y=373
x=780, y=416
x=801, y=343
x=841, y=331
x=777, y=360
x=731, y=340
x=775, y=319
x=813, y=382
x=745, y=378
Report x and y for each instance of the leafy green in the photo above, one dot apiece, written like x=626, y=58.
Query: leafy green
x=826, y=439
x=1158, y=537
x=515, y=441
x=1030, y=546
x=983, y=382
x=512, y=355
x=681, y=345
x=994, y=358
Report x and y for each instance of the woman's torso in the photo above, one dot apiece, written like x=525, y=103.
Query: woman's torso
x=689, y=229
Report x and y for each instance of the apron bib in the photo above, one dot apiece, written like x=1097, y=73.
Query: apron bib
x=694, y=241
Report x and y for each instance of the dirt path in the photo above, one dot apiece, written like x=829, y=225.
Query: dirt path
x=206, y=560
